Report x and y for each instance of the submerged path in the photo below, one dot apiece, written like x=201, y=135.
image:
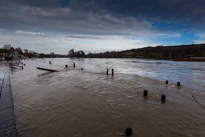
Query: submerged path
x=7, y=119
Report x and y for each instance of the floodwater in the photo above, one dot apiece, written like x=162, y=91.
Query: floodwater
x=89, y=103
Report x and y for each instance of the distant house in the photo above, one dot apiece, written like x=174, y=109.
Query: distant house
x=8, y=47
x=5, y=54
x=17, y=54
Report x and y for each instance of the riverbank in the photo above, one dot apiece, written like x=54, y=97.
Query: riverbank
x=7, y=118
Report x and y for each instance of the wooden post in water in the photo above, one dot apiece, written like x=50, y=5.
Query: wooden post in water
x=178, y=84
x=112, y=72
x=107, y=71
x=145, y=93
x=166, y=81
x=66, y=66
x=74, y=65
x=24, y=64
x=163, y=97
x=128, y=131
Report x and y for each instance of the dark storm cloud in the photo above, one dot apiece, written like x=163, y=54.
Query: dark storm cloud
x=191, y=11
x=102, y=16
x=66, y=19
x=35, y=3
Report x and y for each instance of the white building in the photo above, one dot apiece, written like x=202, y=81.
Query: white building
x=7, y=47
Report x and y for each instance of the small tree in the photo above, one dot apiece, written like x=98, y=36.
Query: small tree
x=71, y=53
x=52, y=54
x=25, y=51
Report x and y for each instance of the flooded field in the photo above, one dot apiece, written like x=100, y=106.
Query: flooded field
x=89, y=103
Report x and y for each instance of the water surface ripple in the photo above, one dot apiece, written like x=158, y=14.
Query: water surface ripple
x=90, y=103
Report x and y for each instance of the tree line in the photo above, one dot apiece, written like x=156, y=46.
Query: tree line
x=158, y=52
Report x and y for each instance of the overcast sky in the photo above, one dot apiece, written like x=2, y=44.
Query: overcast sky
x=57, y=26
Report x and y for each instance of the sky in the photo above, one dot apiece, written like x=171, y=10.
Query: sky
x=57, y=26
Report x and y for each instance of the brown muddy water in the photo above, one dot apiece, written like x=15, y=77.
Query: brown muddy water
x=89, y=103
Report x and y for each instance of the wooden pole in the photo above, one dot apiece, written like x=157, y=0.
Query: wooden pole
x=145, y=93
x=163, y=97
x=128, y=131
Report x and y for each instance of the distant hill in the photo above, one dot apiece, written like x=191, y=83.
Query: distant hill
x=158, y=52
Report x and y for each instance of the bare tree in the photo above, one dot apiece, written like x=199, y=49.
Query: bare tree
x=71, y=53
x=25, y=50
x=19, y=49
x=80, y=53
x=52, y=54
